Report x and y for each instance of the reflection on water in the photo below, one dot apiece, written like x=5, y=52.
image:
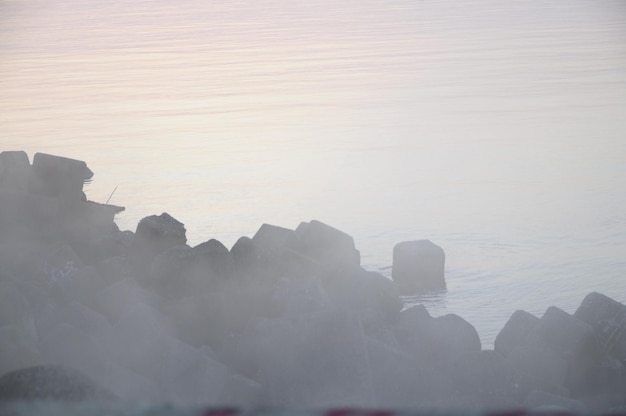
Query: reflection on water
x=493, y=128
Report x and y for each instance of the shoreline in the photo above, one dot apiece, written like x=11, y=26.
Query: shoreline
x=285, y=318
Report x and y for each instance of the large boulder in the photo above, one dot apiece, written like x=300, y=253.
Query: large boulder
x=540, y=401
x=398, y=381
x=487, y=378
x=433, y=341
x=61, y=177
x=369, y=293
x=418, y=265
x=308, y=360
x=15, y=171
x=515, y=331
x=18, y=335
x=274, y=238
x=326, y=244
x=569, y=337
x=157, y=233
x=184, y=271
x=51, y=382
x=607, y=317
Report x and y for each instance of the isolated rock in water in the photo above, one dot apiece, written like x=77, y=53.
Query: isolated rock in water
x=515, y=331
x=607, y=317
x=61, y=177
x=418, y=265
x=50, y=382
x=157, y=233
x=326, y=244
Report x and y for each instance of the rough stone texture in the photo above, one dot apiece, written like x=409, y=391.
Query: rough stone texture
x=364, y=291
x=50, y=382
x=217, y=258
x=15, y=172
x=515, y=331
x=569, y=337
x=607, y=317
x=61, y=177
x=542, y=401
x=546, y=367
x=326, y=244
x=274, y=238
x=157, y=233
x=435, y=340
x=488, y=377
x=418, y=265
x=399, y=381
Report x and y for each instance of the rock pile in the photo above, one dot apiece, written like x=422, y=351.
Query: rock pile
x=285, y=318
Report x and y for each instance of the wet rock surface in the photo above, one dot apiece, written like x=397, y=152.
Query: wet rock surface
x=285, y=318
x=50, y=382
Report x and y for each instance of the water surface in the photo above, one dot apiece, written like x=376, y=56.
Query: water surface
x=495, y=129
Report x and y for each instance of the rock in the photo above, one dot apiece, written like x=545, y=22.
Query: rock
x=545, y=366
x=114, y=269
x=85, y=319
x=157, y=233
x=571, y=338
x=141, y=339
x=433, y=341
x=515, y=331
x=201, y=383
x=198, y=319
x=279, y=255
x=274, y=238
x=81, y=285
x=18, y=347
x=489, y=378
x=608, y=377
x=418, y=265
x=61, y=177
x=18, y=335
x=50, y=382
x=239, y=391
x=364, y=291
x=118, y=299
x=60, y=264
x=15, y=171
x=128, y=385
x=183, y=271
x=67, y=345
x=308, y=360
x=216, y=257
x=299, y=297
x=607, y=317
x=399, y=381
x=327, y=245
x=542, y=401
x=25, y=216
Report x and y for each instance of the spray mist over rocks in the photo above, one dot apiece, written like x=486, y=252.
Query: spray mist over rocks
x=285, y=319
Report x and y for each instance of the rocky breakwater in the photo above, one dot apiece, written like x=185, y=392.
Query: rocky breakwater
x=285, y=318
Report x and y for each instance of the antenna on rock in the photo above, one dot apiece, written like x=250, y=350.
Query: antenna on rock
x=110, y=196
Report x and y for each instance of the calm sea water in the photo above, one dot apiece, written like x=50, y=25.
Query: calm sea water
x=495, y=129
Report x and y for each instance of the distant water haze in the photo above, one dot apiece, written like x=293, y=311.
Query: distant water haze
x=495, y=129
